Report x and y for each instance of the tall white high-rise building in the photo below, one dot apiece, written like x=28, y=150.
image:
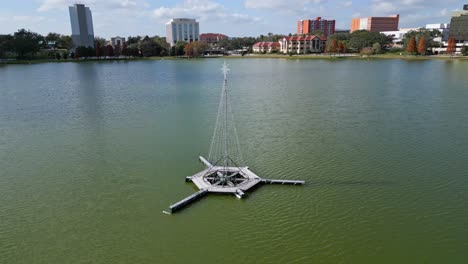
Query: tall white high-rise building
x=82, y=26
x=184, y=29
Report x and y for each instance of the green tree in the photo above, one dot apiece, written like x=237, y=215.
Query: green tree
x=162, y=42
x=341, y=36
x=53, y=37
x=84, y=52
x=26, y=42
x=179, y=48
x=65, y=42
x=376, y=48
x=200, y=48
x=6, y=44
x=464, y=50
x=367, y=51
x=318, y=33
x=133, y=40
x=195, y=49
x=150, y=48
x=101, y=41
x=428, y=35
x=224, y=43
x=362, y=38
x=133, y=50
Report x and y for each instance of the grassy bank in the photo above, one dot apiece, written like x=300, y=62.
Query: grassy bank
x=37, y=61
x=350, y=57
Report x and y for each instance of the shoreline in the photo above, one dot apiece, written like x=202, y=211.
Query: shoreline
x=253, y=56
x=39, y=61
x=351, y=57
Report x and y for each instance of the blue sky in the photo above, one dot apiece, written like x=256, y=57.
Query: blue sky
x=231, y=17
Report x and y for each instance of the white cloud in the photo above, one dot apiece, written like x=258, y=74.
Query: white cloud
x=290, y=7
x=204, y=10
x=13, y=22
x=413, y=13
x=383, y=7
x=279, y=4
x=48, y=5
x=346, y=4
x=27, y=19
x=401, y=6
x=52, y=4
x=444, y=12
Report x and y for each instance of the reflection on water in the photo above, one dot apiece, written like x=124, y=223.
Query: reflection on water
x=91, y=153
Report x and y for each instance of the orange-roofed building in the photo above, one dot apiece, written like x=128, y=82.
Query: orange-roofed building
x=375, y=24
x=212, y=38
x=267, y=47
x=302, y=44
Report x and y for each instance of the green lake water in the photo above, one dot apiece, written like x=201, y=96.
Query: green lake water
x=92, y=153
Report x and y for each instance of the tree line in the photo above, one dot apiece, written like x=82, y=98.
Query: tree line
x=25, y=44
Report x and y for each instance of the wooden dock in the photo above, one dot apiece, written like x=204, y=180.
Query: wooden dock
x=247, y=180
x=291, y=182
x=180, y=204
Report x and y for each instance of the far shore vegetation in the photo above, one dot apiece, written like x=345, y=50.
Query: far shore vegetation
x=25, y=47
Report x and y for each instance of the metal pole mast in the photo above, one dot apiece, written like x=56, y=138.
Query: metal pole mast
x=225, y=71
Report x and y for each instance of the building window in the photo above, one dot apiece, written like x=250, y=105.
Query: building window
x=180, y=32
x=191, y=32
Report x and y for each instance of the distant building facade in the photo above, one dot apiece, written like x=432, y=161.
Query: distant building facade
x=375, y=24
x=82, y=26
x=398, y=35
x=302, y=44
x=443, y=28
x=309, y=26
x=459, y=25
x=212, y=38
x=117, y=41
x=267, y=47
x=182, y=29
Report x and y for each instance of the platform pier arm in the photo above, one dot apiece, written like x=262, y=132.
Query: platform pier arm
x=205, y=161
x=186, y=201
x=292, y=182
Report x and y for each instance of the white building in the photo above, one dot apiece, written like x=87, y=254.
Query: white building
x=442, y=49
x=267, y=47
x=399, y=35
x=302, y=44
x=82, y=26
x=184, y=29
x=443, y=28
x=117, y=41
